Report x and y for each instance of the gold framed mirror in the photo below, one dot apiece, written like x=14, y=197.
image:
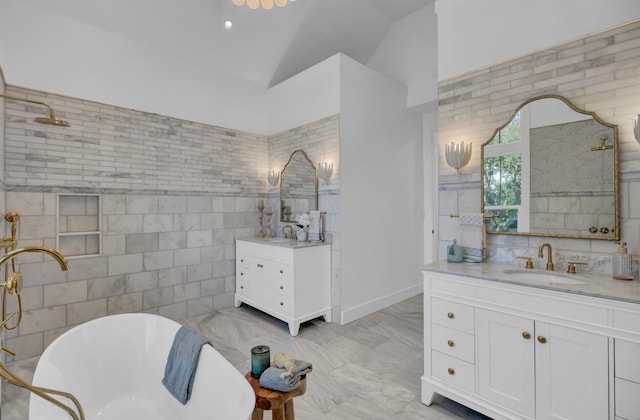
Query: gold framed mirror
x=298, y=187
x=552, y=170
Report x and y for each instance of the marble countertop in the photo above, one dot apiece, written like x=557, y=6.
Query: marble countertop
x=282, y=242
x=597, y=285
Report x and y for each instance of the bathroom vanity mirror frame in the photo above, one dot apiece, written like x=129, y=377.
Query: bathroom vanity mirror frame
x=298, y=184
x=615, y=176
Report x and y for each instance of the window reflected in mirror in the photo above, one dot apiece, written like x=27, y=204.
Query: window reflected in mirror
x=552, y=170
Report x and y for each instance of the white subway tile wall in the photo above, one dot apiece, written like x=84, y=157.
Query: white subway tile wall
x=598, y=73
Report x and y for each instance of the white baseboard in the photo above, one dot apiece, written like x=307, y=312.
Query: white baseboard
x=375, y=305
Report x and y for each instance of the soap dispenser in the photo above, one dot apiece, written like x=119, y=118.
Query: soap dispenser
x=454, y=252
x=622, y=263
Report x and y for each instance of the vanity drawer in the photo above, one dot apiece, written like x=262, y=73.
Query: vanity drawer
x=627, y=399
x=453, y=343
x=627, y=365
x=626, y=320
x=452, y=315
x=454, y=371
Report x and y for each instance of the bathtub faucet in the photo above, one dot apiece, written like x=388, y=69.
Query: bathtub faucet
x=13, y=281
x=11, y=285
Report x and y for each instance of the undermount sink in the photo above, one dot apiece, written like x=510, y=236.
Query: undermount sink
x=548, y=277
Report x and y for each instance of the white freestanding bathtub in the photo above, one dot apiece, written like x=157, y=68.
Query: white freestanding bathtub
x=114, y=366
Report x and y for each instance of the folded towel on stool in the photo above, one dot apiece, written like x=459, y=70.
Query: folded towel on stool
x=182, y=363
x=271, y=378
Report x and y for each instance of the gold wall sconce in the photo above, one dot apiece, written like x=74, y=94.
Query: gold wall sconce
x=457, y=155
x=325, y=170
x=273, y=177
x=50, y=120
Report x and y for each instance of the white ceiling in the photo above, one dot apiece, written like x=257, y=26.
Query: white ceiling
x=264, y=47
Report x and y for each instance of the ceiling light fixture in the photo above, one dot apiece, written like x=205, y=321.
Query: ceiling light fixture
x=228, y=24
x=266, y=4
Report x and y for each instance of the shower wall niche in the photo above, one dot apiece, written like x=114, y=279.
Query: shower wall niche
x=78, y=225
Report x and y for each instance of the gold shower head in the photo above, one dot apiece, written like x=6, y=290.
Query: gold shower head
x=50, y=120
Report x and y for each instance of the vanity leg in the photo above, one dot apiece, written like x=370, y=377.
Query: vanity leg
x=327, y=316
x=428, y=396
x=237, y=303
x=294, y=327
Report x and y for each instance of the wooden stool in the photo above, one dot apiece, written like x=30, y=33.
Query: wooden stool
x=280, y=403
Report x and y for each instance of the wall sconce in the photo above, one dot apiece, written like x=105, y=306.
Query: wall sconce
x=325, y=170
x=457, y=155
x=636, y=128
x=273, y=177
x=50, y=120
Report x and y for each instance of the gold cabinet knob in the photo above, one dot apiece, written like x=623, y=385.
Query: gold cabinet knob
x=281, y=287
x=526, y=335
x=281, y=303
x=281, y=271
x=260, y=265
x=241, y=260
x=241, y=273
x=242, y=287
x=451, y=371
x=542, y=339
x=450, y=315
x=450, y=343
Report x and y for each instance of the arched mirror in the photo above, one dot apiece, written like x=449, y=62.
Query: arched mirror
x=298, y=187
x=552, y=170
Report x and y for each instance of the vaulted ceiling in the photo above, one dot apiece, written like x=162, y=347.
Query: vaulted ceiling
x=264, y=47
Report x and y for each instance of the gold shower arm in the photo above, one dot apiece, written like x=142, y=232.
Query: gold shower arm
x=51, y=120
x=14, y=379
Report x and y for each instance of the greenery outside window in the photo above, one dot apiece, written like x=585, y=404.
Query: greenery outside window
x=506, y=164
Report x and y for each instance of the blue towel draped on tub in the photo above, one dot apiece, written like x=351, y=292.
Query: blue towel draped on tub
x=271, y=378
x=182, y=362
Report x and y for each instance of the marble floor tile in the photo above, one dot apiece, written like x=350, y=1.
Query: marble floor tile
x=367, y=369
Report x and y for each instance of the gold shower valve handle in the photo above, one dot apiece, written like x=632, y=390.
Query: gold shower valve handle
x=12, y=283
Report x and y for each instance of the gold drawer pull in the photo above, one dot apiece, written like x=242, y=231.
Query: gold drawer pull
x=542, y=339
x=450, y=315
x=450, y=343
x=451, y=371
x=260, y=265
x=526, y=335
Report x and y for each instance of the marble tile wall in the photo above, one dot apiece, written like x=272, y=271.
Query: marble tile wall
x=598, y=73
x=173, y=195
x=320, y=141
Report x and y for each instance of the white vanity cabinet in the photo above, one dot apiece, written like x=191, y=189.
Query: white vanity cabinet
x=287, y=280
x=542, y=370
x=537, y=353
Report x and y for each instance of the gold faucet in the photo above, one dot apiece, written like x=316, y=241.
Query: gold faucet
x=284, y=235
x=11, y=286
x=549, y=255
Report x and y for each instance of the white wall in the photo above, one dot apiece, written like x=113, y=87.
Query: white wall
x=475, y=34
x=114, y=69
x=381, y=192
x=306, y=97
x=408, y=54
